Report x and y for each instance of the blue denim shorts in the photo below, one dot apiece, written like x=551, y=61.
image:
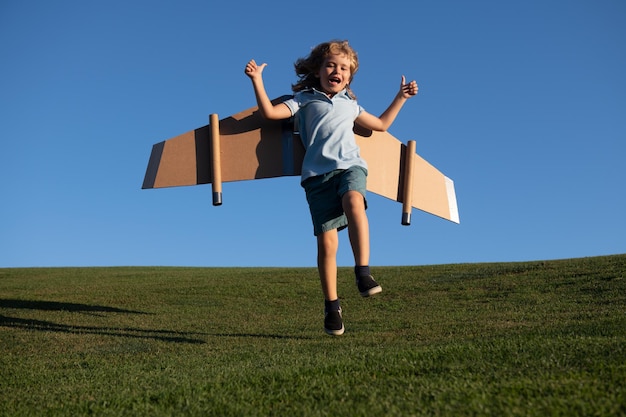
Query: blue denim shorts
x=324, y=193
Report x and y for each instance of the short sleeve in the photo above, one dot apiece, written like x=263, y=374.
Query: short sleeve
x=293, y=105
x=359, y=110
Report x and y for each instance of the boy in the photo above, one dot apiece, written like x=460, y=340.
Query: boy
x=333, y=173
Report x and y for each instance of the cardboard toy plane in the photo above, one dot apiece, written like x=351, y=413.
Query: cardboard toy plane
x=246, y=146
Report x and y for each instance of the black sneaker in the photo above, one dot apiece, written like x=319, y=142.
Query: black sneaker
x=333, y=323
x=367, y=286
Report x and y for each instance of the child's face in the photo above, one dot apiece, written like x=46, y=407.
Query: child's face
x=335, y=73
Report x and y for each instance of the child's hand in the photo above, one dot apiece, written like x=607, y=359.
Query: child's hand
x=253, y=70
x=408, y=90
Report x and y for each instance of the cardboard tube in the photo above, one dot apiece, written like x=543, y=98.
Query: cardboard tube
x=407, y=196
x=216, y=164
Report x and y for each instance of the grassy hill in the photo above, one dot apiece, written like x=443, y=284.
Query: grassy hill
x=501, y=339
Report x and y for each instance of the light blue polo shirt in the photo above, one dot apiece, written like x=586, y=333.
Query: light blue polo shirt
x=325, y=126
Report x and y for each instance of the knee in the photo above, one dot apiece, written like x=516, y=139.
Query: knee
x=353, y=202
x=327, y=244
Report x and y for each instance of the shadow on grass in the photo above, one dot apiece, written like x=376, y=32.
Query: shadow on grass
x=161, y=335
x=58, y=306
x=48, y=326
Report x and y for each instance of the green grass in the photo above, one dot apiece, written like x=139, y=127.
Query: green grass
x=506, y=339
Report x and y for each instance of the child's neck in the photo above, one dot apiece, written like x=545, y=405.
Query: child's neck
x=329, y=94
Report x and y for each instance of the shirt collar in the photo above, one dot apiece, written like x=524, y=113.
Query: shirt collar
x=342, y=94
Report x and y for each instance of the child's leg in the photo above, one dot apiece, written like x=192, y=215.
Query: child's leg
x=358, y=231
x=358, y=226
x=327, y=245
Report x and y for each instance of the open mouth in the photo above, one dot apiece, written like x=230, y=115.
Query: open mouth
x=334, y=81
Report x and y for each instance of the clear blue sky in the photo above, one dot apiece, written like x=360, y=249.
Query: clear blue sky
x=521, y=103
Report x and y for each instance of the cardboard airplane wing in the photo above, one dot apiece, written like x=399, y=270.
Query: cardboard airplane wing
x=245, y=146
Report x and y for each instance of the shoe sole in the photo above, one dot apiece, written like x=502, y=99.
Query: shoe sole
x=335, y=332
x=372, y=291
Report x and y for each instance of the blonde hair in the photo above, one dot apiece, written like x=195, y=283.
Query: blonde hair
x=308, y=68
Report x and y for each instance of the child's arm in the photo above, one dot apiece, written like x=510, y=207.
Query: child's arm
x=382, y=123
x=267, y=109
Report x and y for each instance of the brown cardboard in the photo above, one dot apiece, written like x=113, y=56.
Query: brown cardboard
x=251, y=147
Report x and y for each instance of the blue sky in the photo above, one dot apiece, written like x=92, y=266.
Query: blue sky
x=522, y=104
